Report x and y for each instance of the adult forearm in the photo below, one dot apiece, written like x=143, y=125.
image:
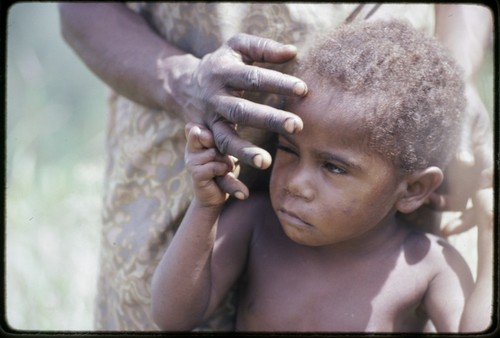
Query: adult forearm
x=465, y=30
x=182, y=283
x=119, y=47
x=478, y=310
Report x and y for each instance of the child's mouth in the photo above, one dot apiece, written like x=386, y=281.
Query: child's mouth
x=292, y=218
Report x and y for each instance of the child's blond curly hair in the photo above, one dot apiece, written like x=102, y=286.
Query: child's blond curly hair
x=415, y=86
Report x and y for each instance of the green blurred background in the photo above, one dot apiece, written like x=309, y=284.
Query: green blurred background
x=56, y=112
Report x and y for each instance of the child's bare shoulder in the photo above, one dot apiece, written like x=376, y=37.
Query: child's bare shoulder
x=256, y=202
x=431, y=250
x=247, y=211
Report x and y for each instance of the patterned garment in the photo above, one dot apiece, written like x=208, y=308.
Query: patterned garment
x=147, y=189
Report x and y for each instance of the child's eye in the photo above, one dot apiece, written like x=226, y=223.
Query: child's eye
x=333, y=168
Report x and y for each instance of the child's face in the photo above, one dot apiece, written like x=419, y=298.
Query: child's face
x=326, y=186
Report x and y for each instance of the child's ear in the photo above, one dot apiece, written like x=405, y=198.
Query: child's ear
x=419, y=185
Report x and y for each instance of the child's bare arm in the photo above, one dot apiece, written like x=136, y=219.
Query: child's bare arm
x=183, y=285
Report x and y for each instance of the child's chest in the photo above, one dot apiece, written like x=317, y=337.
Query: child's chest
x=289, y=290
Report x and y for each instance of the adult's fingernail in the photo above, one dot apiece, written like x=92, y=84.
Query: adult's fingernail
x=300, y=88
x=239, y=195
x=289, y=125
x=290, y=48
x=257, y=160
x=293, y=125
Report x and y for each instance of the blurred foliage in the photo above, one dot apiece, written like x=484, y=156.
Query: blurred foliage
x=55, y=145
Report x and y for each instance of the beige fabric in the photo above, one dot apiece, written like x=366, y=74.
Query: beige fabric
x=147, y=188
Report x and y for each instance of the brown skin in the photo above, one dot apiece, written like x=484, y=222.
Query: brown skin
x=327, y=252
x=466, y=31
x=292, y=287
x=122, y=50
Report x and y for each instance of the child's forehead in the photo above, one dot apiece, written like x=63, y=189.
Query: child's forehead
x=342, y=117
x=332, y=121
x=326, y=104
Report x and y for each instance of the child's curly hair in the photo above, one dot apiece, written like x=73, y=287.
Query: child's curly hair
x=415, y=86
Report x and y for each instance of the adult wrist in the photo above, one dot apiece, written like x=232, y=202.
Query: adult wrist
x=175, y=72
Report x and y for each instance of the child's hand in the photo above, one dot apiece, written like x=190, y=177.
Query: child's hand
x=204, y=162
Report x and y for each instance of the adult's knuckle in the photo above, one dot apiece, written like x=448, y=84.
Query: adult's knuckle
x=237, y=39
x=263, y=45
x=253, y=78
x=213, y=105
x=273, y=121
x=236, y=112
x=282, y=84
x=223, y=141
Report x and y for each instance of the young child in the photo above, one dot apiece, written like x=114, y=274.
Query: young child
x=328, y=250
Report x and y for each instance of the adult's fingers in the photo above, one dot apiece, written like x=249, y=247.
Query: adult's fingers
x=260, y=79
x=229, y=142
x=447, y=202
x=460, y=224
x=257, y=49
x=233, y=186
x=248, y=113
x=481, y=213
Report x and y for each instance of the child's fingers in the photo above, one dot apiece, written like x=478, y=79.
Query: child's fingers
x=204, y=156
x=205, y=162
x=206, y=172
x=198, y=137
x=193, y=139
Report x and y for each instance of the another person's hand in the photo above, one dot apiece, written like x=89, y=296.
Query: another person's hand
x=209, y=92
x=120, y=47
x=469, y=171
x=480, y=213
x=204, y=162
x=478, y=309
x=474, y=155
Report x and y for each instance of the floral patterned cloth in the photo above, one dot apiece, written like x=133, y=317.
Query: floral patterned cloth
x=147, y=189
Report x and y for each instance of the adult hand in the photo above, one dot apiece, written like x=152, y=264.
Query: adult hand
x=474, y=155
x=469, y=171
x=481, y=211
x=466, y=31
x=209, y=92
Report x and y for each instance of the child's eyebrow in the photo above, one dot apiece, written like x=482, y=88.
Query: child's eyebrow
x=328, y=156
x=331, y=157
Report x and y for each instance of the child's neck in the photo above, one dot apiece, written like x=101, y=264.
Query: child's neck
x=384, y=237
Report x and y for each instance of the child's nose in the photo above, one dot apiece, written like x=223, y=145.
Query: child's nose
x=300, y=185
